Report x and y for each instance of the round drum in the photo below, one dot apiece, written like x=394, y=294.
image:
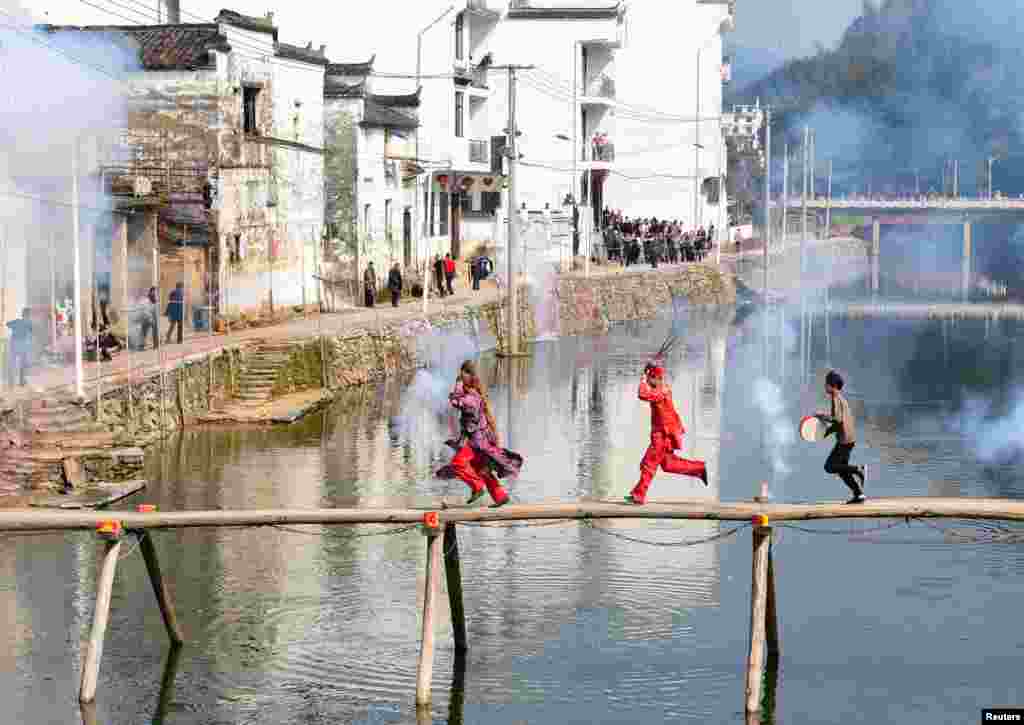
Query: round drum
x=812, y=430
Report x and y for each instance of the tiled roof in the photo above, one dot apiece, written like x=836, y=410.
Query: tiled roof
x=409, y=100
x=386, y=116
x=248, y=22
x=351, y=69
x=337, y=89
x=598, y=11
x=162, y=47
x=303, y=55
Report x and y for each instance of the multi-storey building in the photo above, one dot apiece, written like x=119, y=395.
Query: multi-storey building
x=224, y=134
x=671, y=152
x=564, y=112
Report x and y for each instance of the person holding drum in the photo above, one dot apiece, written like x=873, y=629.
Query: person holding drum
x=841, y=422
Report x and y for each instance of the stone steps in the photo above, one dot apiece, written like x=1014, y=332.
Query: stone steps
x=262, y=367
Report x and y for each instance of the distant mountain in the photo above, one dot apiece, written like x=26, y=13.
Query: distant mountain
x=904, y=89
x=752, y=64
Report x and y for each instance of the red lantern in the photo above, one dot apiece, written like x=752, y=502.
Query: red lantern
x=443, y=180
x=431, y=520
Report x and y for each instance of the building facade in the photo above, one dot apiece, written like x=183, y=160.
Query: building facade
x=370, y=166
x=223, y=146
x=564, y=104
x=671, y=152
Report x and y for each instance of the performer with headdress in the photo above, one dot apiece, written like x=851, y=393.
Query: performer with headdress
x=479, y=459
x=666, y=431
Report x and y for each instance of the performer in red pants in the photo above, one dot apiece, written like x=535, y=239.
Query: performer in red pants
x=666, y=436
x=479, y=460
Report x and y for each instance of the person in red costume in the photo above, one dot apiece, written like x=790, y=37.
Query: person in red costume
x=479, y=459
x=666, y=436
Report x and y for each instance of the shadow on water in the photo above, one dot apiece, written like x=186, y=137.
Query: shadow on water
x=768, y=700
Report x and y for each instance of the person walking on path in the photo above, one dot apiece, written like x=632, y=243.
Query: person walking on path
x=449, y=272
x=175, y=312
x=148, y=318
x=666, y=436
x=395, y=284
x=370, y=285
x=479, y=459
x=19, y=357
x=841, y=422
x=439, y=274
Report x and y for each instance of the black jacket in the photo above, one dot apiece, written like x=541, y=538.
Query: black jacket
x=395, y=280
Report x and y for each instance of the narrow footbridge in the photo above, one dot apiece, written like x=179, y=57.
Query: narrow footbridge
x=439, y=520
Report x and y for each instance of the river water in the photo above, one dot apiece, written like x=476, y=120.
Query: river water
x=568, y=623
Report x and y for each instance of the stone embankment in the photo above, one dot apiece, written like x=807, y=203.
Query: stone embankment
x=236, y=382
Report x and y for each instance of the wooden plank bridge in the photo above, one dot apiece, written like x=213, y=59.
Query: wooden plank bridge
x=439, y=519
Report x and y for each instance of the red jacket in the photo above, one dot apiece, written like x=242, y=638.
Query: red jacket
x=664, y=418
x=449, y=266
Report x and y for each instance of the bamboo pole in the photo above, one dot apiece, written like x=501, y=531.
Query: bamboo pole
x=772, y=623
x=758, y=606
x=453, y=577
x=162, y=597
x=425, y=671
x=875, y=508
x=94, y=651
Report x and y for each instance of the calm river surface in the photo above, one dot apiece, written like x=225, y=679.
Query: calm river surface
x=567, y=624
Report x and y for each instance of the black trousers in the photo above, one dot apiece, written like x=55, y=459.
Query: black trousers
x=450, y=278
x=396, y=294
x=368, y=297
x=838, y=464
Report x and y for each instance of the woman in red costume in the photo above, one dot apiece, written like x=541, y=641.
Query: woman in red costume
x=479, y=460
x=666, y=436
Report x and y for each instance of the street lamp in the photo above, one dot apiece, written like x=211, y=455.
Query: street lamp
x=419, y=231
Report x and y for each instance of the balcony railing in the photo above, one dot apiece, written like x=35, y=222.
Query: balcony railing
x=478, y=153
x=600, y=87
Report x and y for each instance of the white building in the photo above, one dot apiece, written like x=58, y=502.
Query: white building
x=379, y=130
x=225, y=131
x=561, y=104
x=670, y=149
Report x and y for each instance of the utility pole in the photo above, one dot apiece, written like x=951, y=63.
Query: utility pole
x=512, y=152
x=77, y=263
x=767, y=193
x=803, y=242
x=785, y=191
x=828, y=203
x=696, y=152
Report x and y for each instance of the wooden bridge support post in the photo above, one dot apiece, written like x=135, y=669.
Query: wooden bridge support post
x=965, y=263
x=453, y=578
x=162, y=597
x=758, y=613
x=94, y=650
x=876, y=251
x=425, y=671
x=771, y=615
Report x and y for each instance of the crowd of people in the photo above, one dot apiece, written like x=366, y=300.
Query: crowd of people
x=628, y=240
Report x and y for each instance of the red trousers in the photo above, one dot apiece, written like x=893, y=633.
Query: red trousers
x=472, y=467
x=661, y=454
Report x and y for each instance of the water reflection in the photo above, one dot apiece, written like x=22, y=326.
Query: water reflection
x=564, y=622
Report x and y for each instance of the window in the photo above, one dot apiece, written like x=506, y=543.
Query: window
x=387, y=220
x=366, y=221
x=443, y=208
x=432, y=216
x=249, y=96
x=490, y=202
x=460, y=50
x=460, y=99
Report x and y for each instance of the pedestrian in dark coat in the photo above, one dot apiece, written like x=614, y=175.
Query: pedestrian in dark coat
x=175, y=312
x=370, y=285
x=395, y=284
x=439, y=276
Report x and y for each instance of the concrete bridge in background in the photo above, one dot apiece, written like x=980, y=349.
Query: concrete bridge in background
x=921, y=211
